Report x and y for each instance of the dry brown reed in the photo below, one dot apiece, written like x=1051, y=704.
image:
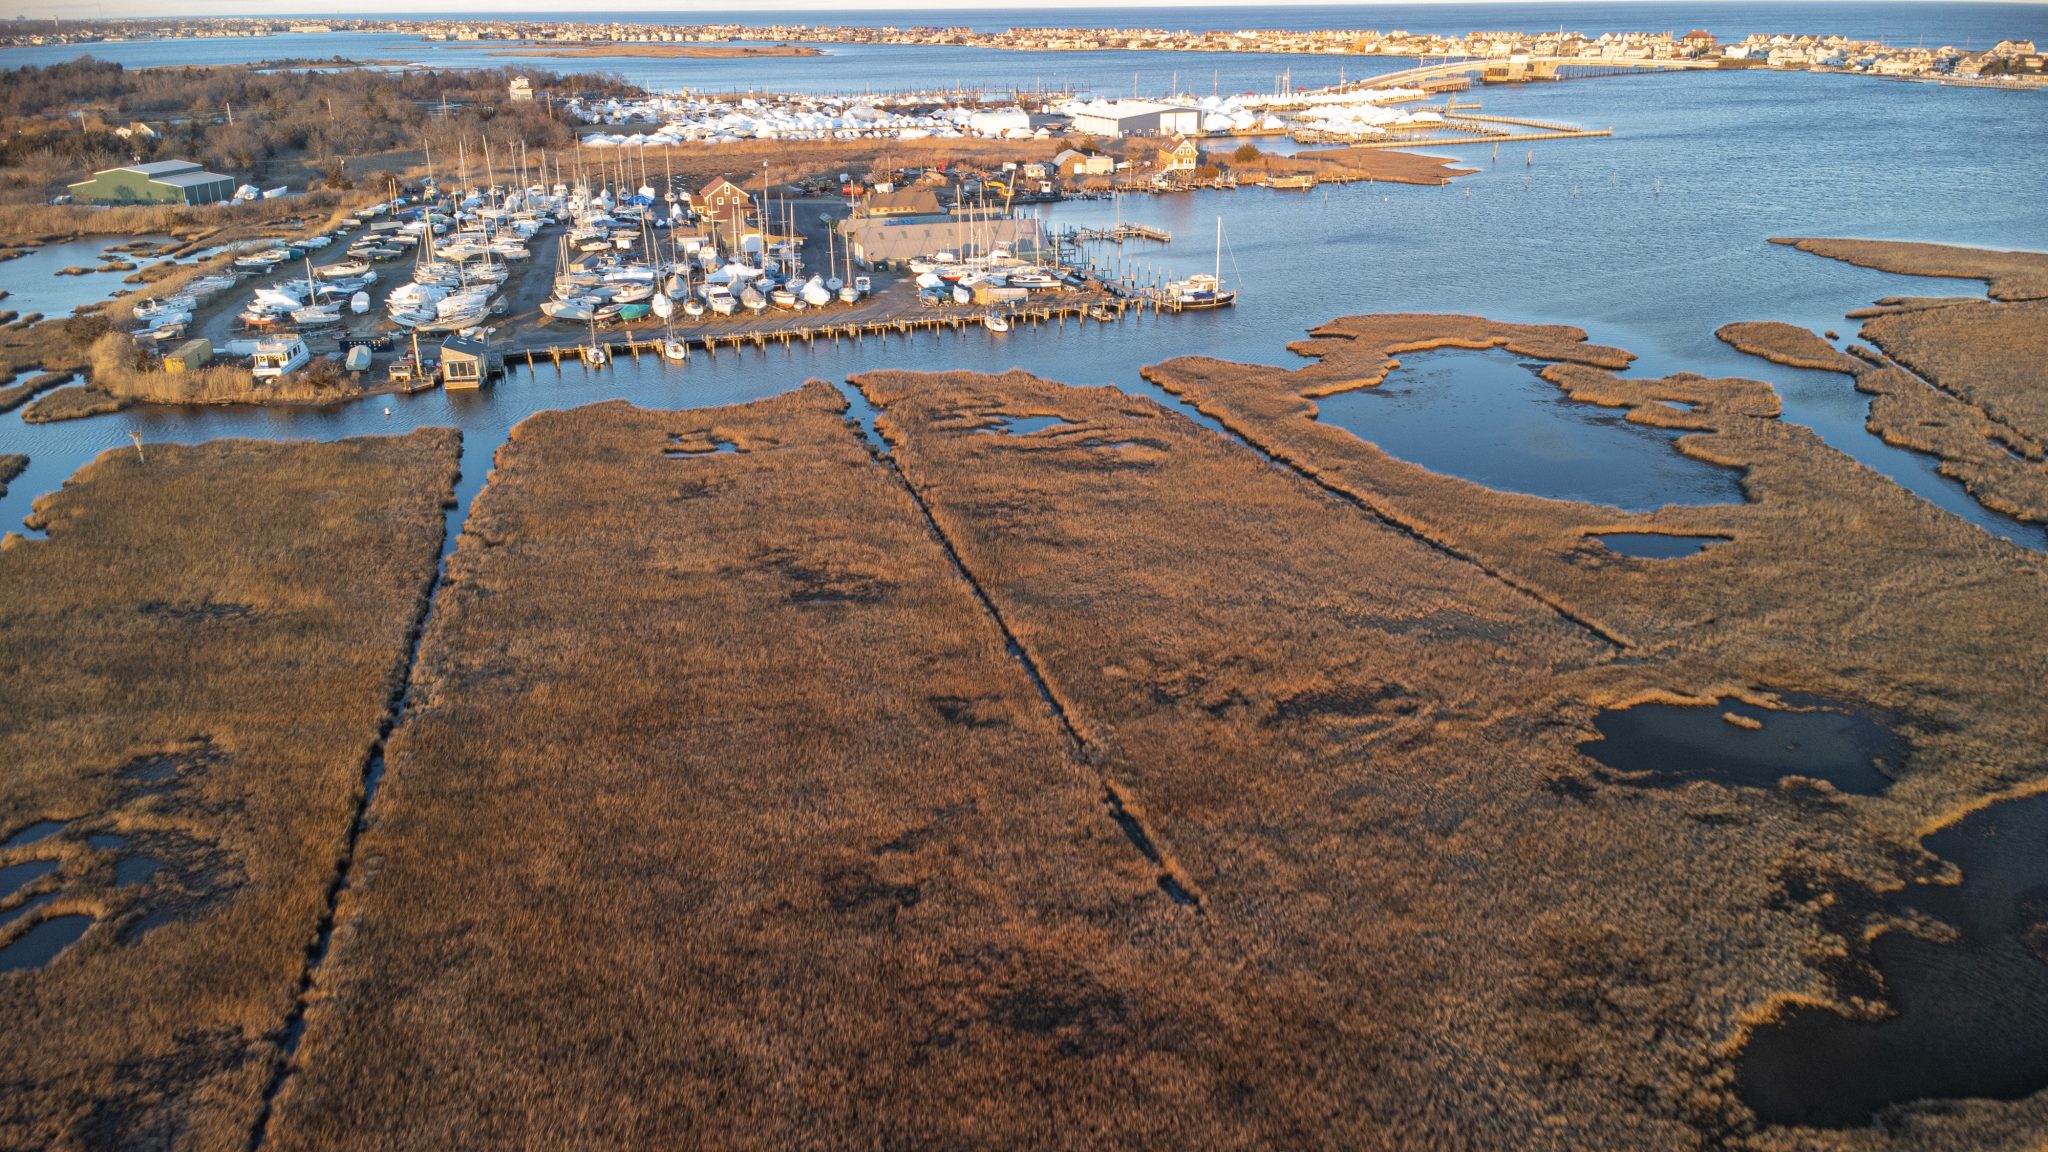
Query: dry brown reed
x=722, y=819
x=197, y=659
x=72, y=402
x=1359, y=743
x=2009, y=275
x=2000, y=465
x=1834, y=582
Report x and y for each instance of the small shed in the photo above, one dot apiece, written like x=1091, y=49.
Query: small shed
x=468, y=361
x=189, y=355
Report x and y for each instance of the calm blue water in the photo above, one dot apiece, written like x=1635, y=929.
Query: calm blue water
x=1650, y=239
x=1957, y=23
x=1518, y=433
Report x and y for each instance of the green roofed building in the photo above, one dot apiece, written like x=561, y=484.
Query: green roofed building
x=161, y=182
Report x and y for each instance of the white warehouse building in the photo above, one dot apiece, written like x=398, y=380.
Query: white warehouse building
x=1135, y=118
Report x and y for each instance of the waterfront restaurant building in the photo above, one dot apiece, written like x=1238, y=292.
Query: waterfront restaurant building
x=882, y=241
x=160, y=182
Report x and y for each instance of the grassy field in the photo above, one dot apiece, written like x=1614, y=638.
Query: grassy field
x=1359, y=746
x=723, y=819
x=1834, y=582
x=196, y=660
x=2010, y=275
x=2002, y=466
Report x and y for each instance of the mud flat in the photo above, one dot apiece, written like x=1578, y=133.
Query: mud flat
x=1956, y=379
x=722, y=818
x=194, y=665
x=1832, y=582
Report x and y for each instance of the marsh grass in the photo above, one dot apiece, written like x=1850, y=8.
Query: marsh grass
x=1357, y=745
x=197, y=659
x=1978, y=356
x=721, y=818
x=1834, y=582
x=2009, y=275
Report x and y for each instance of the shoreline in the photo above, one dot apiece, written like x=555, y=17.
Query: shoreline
x=645, y=50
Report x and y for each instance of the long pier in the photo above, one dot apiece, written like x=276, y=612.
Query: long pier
x=1106, y=307
x=1117, y=235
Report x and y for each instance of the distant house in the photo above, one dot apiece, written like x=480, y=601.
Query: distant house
x=1071, y=164
x=908, y=202
x=160, y=182
x=520, y=89
x=1180, y=156
x=723, y=202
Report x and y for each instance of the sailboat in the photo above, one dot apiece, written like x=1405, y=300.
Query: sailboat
x=1203, y=289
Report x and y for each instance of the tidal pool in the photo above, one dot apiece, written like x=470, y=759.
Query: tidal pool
x=1488, y=418
x=40, y=944
x=1669, y=745
x=15, y=877
x=1969, y=1018
x=40, y=830
x=1026, y=425
x=1655, y=545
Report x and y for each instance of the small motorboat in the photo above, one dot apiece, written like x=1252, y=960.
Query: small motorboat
x=631, y=312
x=358, y=359
x=359, y=303
x=693, y=307
x=782, y=297
x=577, y=309
x=996, y=322
x=753, y=298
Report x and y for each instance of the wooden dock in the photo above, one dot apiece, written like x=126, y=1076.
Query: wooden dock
x=1116, y=235
x=1105, y=306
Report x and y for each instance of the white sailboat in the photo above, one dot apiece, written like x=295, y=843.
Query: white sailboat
x=1203, y=289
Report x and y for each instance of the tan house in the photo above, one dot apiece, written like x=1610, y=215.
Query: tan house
x=903, y=202
x=1071, y=164
x=723, y=202
x=1180, y=156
